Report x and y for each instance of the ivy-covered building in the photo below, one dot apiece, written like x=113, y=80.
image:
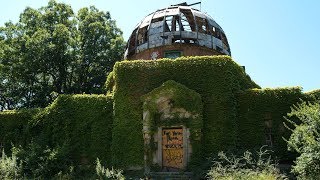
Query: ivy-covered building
x=165, y=114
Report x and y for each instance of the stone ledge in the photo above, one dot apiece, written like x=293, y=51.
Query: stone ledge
x=171, y=175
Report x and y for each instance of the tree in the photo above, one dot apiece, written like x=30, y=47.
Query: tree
x=53, y=51
x=305, y=139
x=11, y=88
x=100, y=47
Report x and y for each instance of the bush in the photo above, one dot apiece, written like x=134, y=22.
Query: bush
x=83, y=122
x=260, y=113
x=10, y=168
x=14, y=127
x=305, y=139
x=43, y=162
x=105, y=173
x=62, y=140
x=244, y=167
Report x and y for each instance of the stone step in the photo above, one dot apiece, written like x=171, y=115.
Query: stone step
x=171, y=175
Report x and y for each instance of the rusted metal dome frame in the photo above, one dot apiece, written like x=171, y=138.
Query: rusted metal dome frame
x=177, y=24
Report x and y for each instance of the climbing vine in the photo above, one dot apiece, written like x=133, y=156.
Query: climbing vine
x=215, y=78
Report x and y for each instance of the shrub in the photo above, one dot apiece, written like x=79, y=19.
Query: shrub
x=244, y=167
x=63, y=139
x=305, y=139
x=43, y=162
x=13, y=127
x=105, y=173
x=260, y=113
x=10, y=168
x=83, y=122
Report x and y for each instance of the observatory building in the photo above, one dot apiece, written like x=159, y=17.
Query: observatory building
x=165, y=118
x=178, y=30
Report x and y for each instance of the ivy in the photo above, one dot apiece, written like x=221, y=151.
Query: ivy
x=215, y=78
x=83, y=123
x=14, y=127
x=182, y=106
x=232, y=112
x=256, y=107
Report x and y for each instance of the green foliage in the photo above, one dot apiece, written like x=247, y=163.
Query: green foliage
x=73, y=131
x=43, y=162
x=215, y=78
x=14, y=128
x=261, y=110
x=53, y=50
x=101, y=46
x=314, y=95
x=10, y=167
x=105, y=173
x=245, y=167
x=182, y=96
x=83, y=123
x=305, y=139
x=186, y=109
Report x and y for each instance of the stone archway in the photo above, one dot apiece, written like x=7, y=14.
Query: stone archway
x=172, y=123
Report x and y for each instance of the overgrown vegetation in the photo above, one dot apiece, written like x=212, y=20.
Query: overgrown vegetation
x=14, y=127
x=10, y=168
x=76, y=129
x=64, y=138
x=53, y=50
x=185, y=108
x=249, y=166
x=305, y=139
x=43, y=162
x=260, y=115
x=48, y=165
x=105, y=173
x=74, y=54
x=215, y=78
x=83, y=123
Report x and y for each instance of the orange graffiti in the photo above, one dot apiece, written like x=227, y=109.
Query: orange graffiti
x=172, y=148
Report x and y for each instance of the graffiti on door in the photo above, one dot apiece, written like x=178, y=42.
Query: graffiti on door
x=172, y=148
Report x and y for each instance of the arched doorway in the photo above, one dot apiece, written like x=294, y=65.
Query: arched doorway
x=172, y=123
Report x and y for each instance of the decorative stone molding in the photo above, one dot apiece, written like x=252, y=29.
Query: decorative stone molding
x=166, y=108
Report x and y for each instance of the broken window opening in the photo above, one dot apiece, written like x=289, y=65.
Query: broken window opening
x=185, y=40
x=168, y=23
x=157, y=20
x=217, y=33
x=172, y=23
x=202, y=25
x=269, y=137
x=212, y=30
x=187, y=20
x=132, y=43
x=224, y=40
x=268, y=130
x=143, y=35
x=166, y=27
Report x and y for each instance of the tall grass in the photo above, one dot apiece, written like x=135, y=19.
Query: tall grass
x=105, y=173
x=9, y=167
x=249, y=166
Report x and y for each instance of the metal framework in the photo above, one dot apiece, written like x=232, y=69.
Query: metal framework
x=177, y=24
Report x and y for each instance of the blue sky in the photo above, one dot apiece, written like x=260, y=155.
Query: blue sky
x=277, y=40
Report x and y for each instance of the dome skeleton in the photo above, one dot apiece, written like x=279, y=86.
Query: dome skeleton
x=177, y=24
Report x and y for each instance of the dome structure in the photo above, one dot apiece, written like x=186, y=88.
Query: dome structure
x=178, y=30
